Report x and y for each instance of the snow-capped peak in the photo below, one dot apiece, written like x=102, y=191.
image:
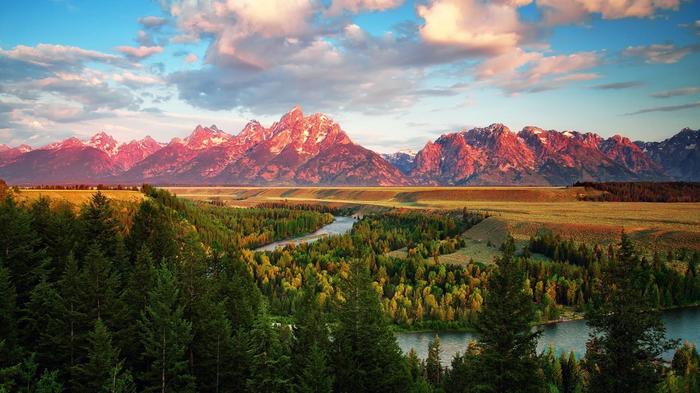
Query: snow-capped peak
x=203, y=137
x=105, y=142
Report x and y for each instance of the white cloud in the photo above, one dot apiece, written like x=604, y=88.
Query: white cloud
x=59, y=56
x=522, y=71
x=472, y=24
x=568, y=11
x=133, y=80
x=139, y=52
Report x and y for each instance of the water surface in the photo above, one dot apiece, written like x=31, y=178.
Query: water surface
x=563, y=337
x=339, y=226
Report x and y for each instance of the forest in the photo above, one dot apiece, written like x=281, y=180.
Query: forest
x=642, y=191
x=168, y=296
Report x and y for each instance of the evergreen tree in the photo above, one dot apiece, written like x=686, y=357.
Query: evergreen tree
x=165, y=335
x=365, y=354
x=8, y=318
x=507, y=360
x=433, y=368
x=101, y=290
x=41, y=325
x=269, y=358
x=49, y=383
x=102, y=358
x=627, y=334
x=135, y=296
x=70, y=336
x=99, y=225
x=311, y=342
x=153, y=228
x=20, y=249
x=212, y=347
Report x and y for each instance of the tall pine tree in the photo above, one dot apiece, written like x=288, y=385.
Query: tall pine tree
x=627, y=334
x=508, y=361
x=365, y=354
x=165, y=335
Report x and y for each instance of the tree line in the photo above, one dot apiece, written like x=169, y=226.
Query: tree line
x=642, y=191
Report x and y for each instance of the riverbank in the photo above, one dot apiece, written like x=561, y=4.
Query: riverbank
x=339, y=226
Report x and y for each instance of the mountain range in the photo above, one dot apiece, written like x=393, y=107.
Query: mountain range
x=314, y=150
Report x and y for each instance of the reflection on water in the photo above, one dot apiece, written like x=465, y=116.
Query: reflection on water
x=563, y=337
x=339, y=226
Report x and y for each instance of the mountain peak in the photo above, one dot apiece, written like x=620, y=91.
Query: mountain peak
x=203, y=137
x=105, y=142
x=293, y=116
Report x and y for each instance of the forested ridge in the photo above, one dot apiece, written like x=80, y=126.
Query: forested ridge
x=169, y=297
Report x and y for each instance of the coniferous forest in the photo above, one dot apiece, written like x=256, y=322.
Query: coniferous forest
x=168, y=296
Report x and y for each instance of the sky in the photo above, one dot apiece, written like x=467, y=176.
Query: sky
x=394, y=73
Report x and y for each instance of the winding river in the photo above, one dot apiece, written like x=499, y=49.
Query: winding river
x=563, y=337
x=339, y=226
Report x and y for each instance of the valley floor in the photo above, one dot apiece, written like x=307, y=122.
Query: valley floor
x=522, y=211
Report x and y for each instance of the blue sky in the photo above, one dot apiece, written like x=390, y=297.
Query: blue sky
x=393, y=73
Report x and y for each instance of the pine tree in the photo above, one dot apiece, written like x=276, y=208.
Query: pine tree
x=41, y=325
x=212, y=347
x=101, y=290
x=627, y=334
x=311, y=342
x=135, y=296
x=508, y=360
x=99, y=225
x=102, y=358
x=153, y=228
x=49, y=383
x=8, y=318
x=269, y=359
x=20, y=249
x=365, y=354
x=165, y=335
x=433, y=368
x=70, y=337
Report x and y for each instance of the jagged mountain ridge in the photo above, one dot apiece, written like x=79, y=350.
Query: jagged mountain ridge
x=313, y=149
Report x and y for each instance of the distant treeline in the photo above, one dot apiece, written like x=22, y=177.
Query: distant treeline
x=83, y=187
x=336, y=211
x=643, y=191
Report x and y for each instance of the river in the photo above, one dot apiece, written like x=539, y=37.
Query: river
x=339, y=226
x=564, y=336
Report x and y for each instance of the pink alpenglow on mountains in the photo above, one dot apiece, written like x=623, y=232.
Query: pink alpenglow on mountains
x=314, y=150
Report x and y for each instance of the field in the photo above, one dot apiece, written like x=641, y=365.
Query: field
x=77, y=197
x=522, y=211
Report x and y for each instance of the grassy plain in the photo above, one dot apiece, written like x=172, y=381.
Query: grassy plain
x=522, y=211
x=77, y=197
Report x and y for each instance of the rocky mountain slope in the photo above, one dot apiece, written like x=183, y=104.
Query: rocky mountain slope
x=313, y=149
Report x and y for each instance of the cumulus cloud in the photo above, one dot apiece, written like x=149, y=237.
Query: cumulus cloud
x=191, y=58
x=619, y=85
x=355, y=6
x=140, y=52
x=683, y=91
x=472, y=24
x=522, y=71
x=568, y=11
x=660, y=53
x=668, y=108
